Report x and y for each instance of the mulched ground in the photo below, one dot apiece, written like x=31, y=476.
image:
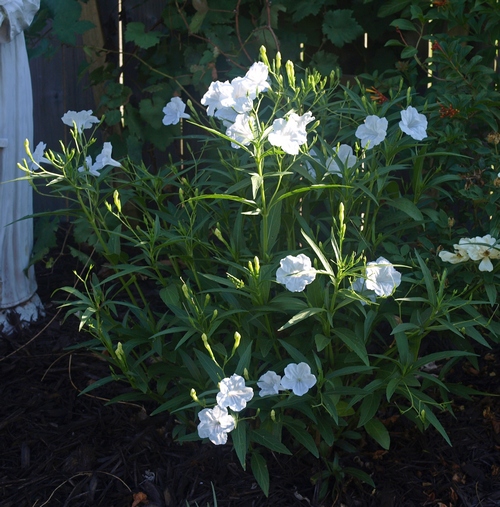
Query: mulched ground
x=60, y=449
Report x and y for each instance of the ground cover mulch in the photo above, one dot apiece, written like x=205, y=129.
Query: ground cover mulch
x=62, y=449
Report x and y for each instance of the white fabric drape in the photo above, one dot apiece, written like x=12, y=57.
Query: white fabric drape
x=17, y=283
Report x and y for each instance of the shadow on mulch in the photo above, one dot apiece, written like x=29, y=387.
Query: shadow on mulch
x=59, y=449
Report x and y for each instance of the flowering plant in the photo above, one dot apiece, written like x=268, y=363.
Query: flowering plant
x=259, y=251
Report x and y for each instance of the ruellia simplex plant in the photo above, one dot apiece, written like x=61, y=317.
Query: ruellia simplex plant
x=284, y=283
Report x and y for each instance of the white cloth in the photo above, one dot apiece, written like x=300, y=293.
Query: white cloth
x=17, y=283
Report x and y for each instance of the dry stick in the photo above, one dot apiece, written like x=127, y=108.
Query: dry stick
x=88, y=474
x=96, y=397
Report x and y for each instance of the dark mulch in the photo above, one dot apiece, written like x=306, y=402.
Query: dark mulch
x=58, y=448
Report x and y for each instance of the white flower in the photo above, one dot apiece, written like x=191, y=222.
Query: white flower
x=381, y=277
x=83, y=119
x=38, y=157
x=104, y=158
x=269, y=383
x=298, y=378
x=174, y=111
x=459, y=255
x=256, y=79
x=295, y=272
x=215, y=424
x=90, y=167
x=218, y=94
x=242, y=130
x=345, y=156
x=482, y=248
x=372, y=132
x=233, y=393
x=413, y=123
x=290, y=134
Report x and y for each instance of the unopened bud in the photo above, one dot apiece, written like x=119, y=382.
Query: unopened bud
x=451, y=222
x=341, y=212
x=194, y=396
x=237, y=339
x=245, y=374
x=263, y=55
x=290, y=72
x=278, y=61
x=273, y=415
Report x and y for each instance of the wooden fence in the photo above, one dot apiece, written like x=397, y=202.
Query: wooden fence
x=57, y=86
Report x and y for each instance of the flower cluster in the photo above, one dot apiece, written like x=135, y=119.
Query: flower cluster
x=374, y=129
x=381, y=279
x=297, y=378
x=481, y=249
x=232, y=102
x=81, y=121
x=216, y=423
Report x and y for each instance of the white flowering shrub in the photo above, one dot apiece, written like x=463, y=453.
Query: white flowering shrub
x=285, y=281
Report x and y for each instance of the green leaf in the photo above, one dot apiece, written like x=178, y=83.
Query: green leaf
x=244, y=361
x=404, y=24
x=359, y=474
x=213, y=371
x=408, y=52
x=298, y=431
x=321, y=342
x=368, y=408
x=260, y=472
x=378, y=432
x=340, y=27
x=265, y=438
x=406, y=206
x=239, y=437
x=353, y=342
x=135, y=32
x=301, y=316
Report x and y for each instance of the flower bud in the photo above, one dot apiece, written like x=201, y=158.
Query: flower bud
x=451, y=222
x=120, y=356
x=263, y=55
x=116, y=199
x=278, y=61
x=246, y=376
x=290, y=72
x=237, y=339
x=256, y=263
x=273, y=415
x=341, y=212
x=194, y=396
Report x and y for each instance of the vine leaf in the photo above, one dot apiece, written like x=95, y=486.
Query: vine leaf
x=340, y=27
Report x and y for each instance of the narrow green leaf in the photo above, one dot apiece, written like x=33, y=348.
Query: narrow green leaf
x=353, y=342
x=264, y=438
x=239, y=437
x=304, y=314
x=302, y=436
x=406, y=206
x=378, y=432
x=368, y=408
x=260, y=472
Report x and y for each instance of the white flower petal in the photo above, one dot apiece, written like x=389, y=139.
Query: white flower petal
x=295, y=272
x=233, y=393
x=413, y=123
x=298, y=378
x=372, y=132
